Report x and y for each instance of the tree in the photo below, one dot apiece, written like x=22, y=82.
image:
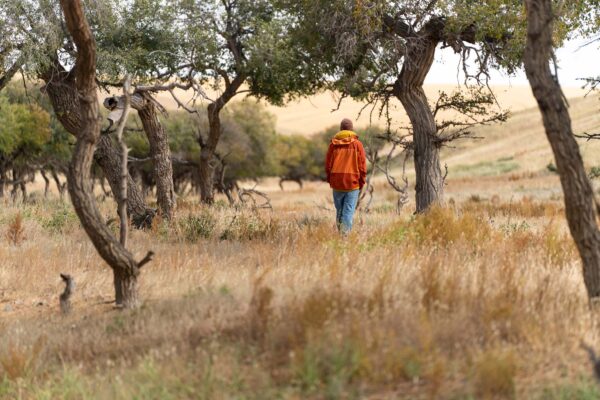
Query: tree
x=241, y=48
x=160, y=154
x=125, y=268
x=378, y=50
x=56, y=152
x=35, y=41
x=580, y=204
x=25, y=130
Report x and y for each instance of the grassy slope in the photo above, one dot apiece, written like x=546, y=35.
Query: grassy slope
x=522, y=139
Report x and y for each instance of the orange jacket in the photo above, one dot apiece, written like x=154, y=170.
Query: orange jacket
x=346, y=163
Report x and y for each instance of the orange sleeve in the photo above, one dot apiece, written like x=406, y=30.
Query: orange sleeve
x=362, y=165
x=328, y=161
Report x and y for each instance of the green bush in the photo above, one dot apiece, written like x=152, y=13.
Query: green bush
x=197, y=227
x=61, y=219
x=249, y=227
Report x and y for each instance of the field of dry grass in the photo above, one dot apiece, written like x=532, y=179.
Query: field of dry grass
x=480, y=300
x=483, y=299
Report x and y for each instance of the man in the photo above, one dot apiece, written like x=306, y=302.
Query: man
x=346, y=169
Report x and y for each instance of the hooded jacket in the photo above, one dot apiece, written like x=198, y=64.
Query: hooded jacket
x=346, y=163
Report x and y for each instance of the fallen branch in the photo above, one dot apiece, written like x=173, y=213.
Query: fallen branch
x=246, y=195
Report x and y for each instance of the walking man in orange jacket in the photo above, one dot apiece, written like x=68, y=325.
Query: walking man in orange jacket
x=346, y=169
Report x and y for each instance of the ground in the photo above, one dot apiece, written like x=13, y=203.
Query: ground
x=481, y=299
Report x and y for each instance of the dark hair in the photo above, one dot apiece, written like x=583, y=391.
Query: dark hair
x=346, y=125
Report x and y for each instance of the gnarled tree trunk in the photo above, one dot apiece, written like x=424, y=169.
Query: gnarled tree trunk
x=207, y=155
x=159, y=151
x=409, y=90
x=161, y=157
x=579, y=197
x=125, y=268
x=208, y=149
x=61, y=89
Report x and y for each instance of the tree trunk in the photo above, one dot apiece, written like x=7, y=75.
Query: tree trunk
x=206, y=176
x=159, y=152
x=209, y=147
x=46, y=183
x=409, y=90
x=60, y=186
x=579, y=197
x=61, y=89
x=16, y=176
x=126, y=289
x=2, y=182
x=109, y=159
x=79, y=179
x=207, y=155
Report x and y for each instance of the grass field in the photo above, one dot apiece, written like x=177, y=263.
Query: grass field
x=483, y=299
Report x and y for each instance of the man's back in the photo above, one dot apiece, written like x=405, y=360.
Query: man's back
x=345, y=164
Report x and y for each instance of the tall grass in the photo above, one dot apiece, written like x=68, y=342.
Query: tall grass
x=457, y=303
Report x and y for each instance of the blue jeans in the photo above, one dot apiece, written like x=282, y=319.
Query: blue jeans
x=345, y=205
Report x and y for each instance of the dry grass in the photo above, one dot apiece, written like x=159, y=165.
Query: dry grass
x=483, y=299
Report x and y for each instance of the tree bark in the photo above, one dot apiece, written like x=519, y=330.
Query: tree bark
x=409, y=90
x=159, y=152
x=207, y=155
x=125, y=268
x=46, y=183
x=209, y=148
x=580, y=204
x=161, y=156
x=2, y=182
x=60, y=186
x=61, y=89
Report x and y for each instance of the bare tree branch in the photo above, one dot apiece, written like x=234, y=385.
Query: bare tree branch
x=124, y=171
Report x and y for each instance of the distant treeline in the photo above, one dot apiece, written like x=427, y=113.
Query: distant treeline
x=33, y=141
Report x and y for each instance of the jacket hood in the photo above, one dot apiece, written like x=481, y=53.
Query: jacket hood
x=344, y=138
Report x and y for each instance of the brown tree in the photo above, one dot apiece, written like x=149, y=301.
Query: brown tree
x=580, y=204
x=160, y=153
x=125, y=268
x=63, y=93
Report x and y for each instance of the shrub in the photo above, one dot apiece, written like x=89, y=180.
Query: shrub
x=439, y=227
x=15, y=234
x=198, y=226
x=310, y=221
x=250, y=227
x=60, y=220
x=558, y=247
x=20, y=361
x=495, y=375
x=326, y=367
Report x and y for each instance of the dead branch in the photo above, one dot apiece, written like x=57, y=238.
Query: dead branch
x=249, y=195
x=65, y=297
x=588, y=136
x=402, y=190
x=146, y=259
x=368, y=189
x=191, y=84
x=124, y=156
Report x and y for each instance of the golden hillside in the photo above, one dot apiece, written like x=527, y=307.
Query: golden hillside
x=313, y=114
x=520, y=145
